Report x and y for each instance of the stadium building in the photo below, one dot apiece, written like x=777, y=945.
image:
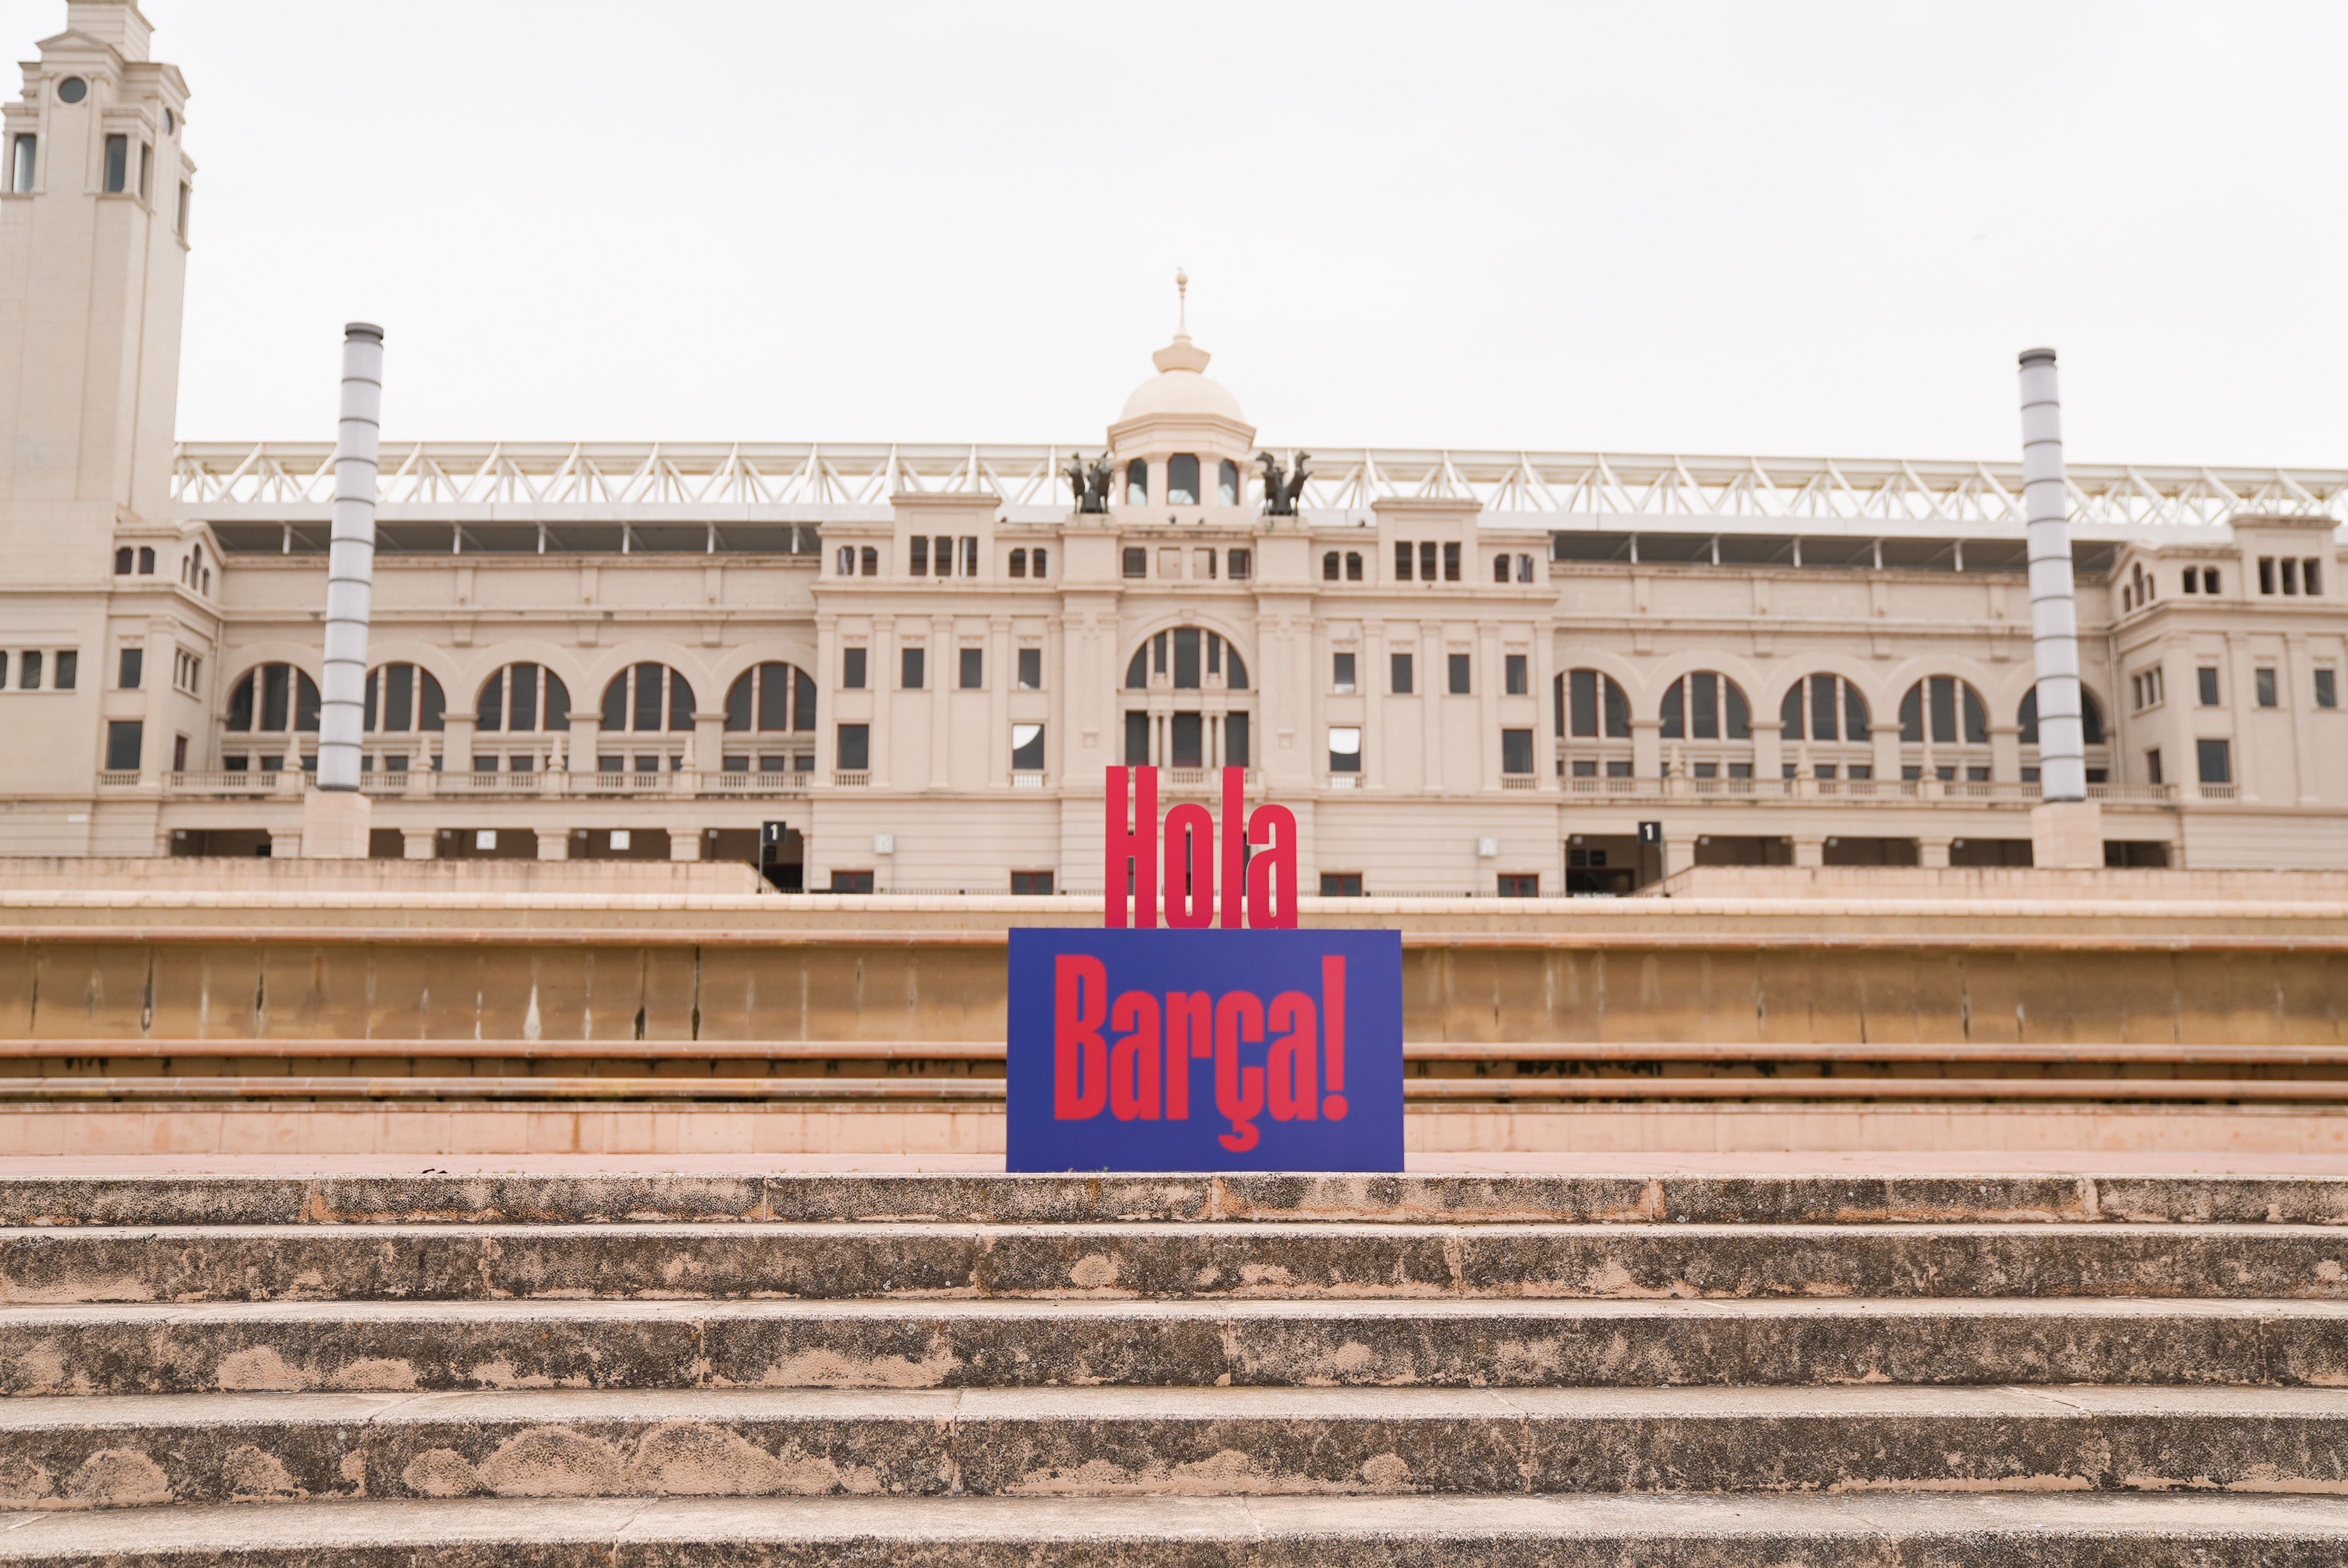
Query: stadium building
x=904, y=667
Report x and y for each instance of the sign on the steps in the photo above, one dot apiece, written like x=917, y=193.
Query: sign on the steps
x=1205, y=1051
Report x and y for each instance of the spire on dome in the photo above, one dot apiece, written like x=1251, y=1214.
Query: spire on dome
x=1181, y=354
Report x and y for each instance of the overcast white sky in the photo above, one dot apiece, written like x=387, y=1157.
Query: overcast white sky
x=1786, y=229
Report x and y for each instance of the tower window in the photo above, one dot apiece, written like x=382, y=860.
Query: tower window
x=1227, y=484
x=1426, y=561
x=122, y=562
x=145, y=560
x=1329, y=567
x=1500, y=568
x=1451, y=563
x=1182, y=480
x=1240, y=563
x=1402, y=560
x=871, y=557
x=1353, y=565
x=187, y=199
x=1018, y=563
x=1042, y=559
x=118, y=164
x=1136, y=483
x=24, y=164
x=919, y=558
x=1137, y=562
x=146, y=171
x=72, y=90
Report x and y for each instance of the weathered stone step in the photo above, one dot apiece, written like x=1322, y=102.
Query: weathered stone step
x=1103, y=1199
x=238, y=1347
x=220, y=1447
x=2005, y=1531
x=1151, y=1260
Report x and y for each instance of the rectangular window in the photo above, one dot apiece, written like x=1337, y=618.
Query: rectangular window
x=1341, y=675
x=1461, y=665
x=2266, y=574
x=1031, y=669
x=1186, y=739
x=1519, y=885
x=1344, y=749
x=1427, y=561
x=28, y=676
x=944, y=555
x=1518, y=667
x=1401, y=682
x=1042, y=556
x=25, y=163
x=2207, y=677
x=2192, y=580
x=910, y=670
x=2265, y=682
x=974, y=668
x=2152, y=766
x=118, y=164
x=187, y=201
x=852, y=669
x=970, y=555
x=179, y=756
x=920, y=555
x=132, y=667
x=1451, y=563
x=146, y=171
x=123, y=742
x=1241, y=564
x=855, y=749
x=1031, y=884
x=69, y=668
x=1027, y=748
x=2327, y=689
x=851, y=882
x=1341, y=885
x=1516, y=751
x=1235, y=740
x=1137, y=740
x=1617, y=770
x=1402, y=560
x=2290, y=574
x=2214, y=762
x=1018, y=563
x=2313, y=576
x=1137, y=562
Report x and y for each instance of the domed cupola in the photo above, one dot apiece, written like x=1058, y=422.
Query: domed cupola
x=1181, y=447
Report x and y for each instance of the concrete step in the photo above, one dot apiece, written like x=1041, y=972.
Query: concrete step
x=1095, y=1442
x=834, y=1261
x=1091, y=1200
x=2005, y=1531
x=237, y=1347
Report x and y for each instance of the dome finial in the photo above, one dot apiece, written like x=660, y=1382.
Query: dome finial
x=1182, y=303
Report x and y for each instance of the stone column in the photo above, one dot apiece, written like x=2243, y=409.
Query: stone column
x=1767, y=754
x=1647, y=745
x=1001, y=672
x=418, y=843
x=1487, y=680
x=943, y=682
x=1886, y=734
x=553, y=843
x=456, y=743
x=2297, y=674
x=1932, y=853
x=2005, y=752
x=586, y=742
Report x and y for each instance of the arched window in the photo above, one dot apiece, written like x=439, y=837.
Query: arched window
x=523, y=698
x=1136, y=483
x=1192, y=658
x=1946, y=709
x=1018, y=563
x=1823, y=708
x=771, y=698
x=1500, y=568
x=403, y=699
x=870, y=555
x=1329, y=567
x=145, y=560
x=2091, y=718
x=1227, y=482
x=1183, y=480
x=272, y=700
x=122, y=562
x=646, y=698
x=1706, y=706
x=1589, y=704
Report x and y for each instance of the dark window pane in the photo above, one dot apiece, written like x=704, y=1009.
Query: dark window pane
x=738, y=701
x=1451, y=563
x=855, y=748
x=1427, y=561
x=1402, y=559
x=910, y=670
x=1234, y=673
x=1028, y=747
x=852, y=669
x=680, y=702
x=1137, y=674
x=1738, y=721
x=276, y=695
x=1675, y=714
x=1516, y=751
x=1182, y=480
x=1460, y=671
x=1519, y=674
x=132, y=667
x=521, y=697
x=974, y=668
x=1584, y=683
x=489, y=714
x=2216, y=760
x=1401, y=681
x=774, y=696
x=1188, y=741
x=919, y=558
x=802, y=699
x=1944, y=710
x=1031, y=669
x=123, y=744
x=1235, y=741
x=1137, y=740
x=1186, y=658
x=398, y=698
x=615, y=702
x=1912, y=714
x=1704, y=687
x=1789, y=715
x=1618, y=710
x=240, y=704
x=646, y=713
x=1854, y=713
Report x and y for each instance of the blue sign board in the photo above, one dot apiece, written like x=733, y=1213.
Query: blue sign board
x=1204, y=1050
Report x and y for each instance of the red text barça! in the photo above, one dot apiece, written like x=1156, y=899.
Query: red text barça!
x=1144, y=1073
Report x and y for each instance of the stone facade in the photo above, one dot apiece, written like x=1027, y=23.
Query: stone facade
x=913, y=682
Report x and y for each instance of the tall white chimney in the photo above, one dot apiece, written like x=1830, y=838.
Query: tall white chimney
x=350, y=565
x=2054, y=613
